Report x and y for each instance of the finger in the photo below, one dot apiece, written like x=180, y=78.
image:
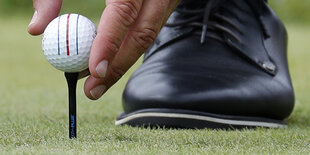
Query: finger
x=114, y=24
x=44, y=12
x=97, y=89
x=140, y=36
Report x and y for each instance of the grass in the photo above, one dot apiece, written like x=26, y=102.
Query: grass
x=33, y=110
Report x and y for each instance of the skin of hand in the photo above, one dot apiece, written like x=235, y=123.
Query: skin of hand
x=125, y=31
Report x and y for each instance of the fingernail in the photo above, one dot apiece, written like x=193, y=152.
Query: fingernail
x=101, y=68
x=98, y=91
x=34, y=18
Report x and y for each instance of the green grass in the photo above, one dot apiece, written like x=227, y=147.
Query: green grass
x=33, y=110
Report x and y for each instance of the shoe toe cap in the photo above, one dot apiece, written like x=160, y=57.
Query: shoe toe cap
x=212, y=94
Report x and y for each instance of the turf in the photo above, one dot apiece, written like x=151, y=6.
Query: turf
x=33, y=110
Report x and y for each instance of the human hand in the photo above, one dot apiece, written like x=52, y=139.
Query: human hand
x=125, y=31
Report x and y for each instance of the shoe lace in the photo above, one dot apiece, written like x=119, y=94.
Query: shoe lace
x=211, y=20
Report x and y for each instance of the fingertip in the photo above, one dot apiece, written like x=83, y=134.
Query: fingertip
x=98, y=60
x=32, y=25
x=93, y=88
x=38, y=25
x=35, y=29
x=93, y=59
x=45, y=12
x=92, y=70
x=87, y=87
x=97, y=91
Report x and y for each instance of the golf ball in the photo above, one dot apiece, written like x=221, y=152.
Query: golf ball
x=67, y=42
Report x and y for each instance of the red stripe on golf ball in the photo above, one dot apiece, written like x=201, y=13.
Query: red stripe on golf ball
x=68, y=19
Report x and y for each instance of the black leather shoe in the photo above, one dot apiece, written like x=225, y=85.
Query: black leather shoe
x=216, y=64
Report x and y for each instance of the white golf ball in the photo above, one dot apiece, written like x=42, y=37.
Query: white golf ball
x=67, y=41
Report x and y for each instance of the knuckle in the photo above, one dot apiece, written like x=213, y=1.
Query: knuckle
x=145, y=37
x=127, y=10
x=111, y=46
x=116, y=72
x=110, y=43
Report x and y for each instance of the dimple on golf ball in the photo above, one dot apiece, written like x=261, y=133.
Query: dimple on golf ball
x=67, y=42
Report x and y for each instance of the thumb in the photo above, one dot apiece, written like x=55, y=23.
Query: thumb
x=44, y=12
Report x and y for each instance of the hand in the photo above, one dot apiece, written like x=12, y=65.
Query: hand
x=125, y=31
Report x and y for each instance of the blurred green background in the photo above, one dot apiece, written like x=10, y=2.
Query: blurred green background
x=33, y=99
x=288, y=10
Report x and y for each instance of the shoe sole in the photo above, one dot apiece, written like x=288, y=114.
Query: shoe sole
x=186, y=119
